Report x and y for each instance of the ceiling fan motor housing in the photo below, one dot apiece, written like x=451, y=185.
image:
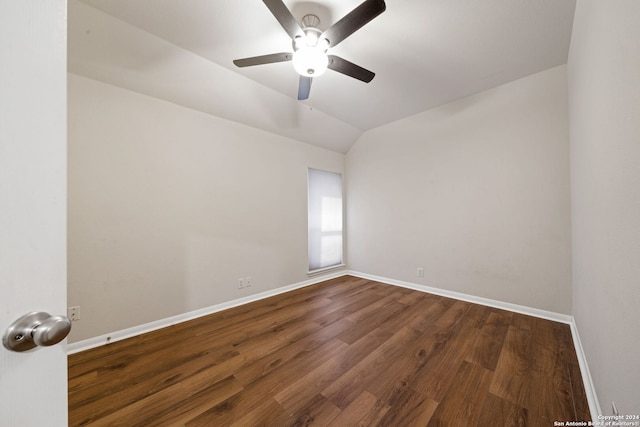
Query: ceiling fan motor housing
x=310, y=21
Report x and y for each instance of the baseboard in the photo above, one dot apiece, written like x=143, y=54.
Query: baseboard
x=589, y=386
x=592, y=399
x=173, y=320
x=529, y=311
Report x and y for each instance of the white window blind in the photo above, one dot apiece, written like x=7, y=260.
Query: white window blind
x=325, y=219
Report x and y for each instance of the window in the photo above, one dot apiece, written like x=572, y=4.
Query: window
x=325, y=219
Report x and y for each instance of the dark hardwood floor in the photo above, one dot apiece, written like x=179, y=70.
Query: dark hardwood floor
x=345, y=352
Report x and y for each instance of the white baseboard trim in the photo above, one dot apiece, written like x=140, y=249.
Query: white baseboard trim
x=592, y=399
x=98, y=341
x=529, y=311
x=589, y=386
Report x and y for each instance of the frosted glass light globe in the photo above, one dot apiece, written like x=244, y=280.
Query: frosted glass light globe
x=310, y=61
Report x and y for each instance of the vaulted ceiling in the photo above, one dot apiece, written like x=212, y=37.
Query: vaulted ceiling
x=425, y=53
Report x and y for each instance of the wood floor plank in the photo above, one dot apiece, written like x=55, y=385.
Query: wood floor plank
x=363, y=406
x=375, y=307
x=318, y=411
x=488, y=346
x=408, y=408
x=179, y=412
x=276, y=338
x=133, y=364
x=309, y=345
x=161, y=408
x=464, y=400
x=453, y=314
x=368, y=324
x=302, y=389
x=342, y=309
x=390, y=383
x=122, y=390
x=348, y=351
x=226, y=413
x=512, y=379
x=452, y=344
x=499, y=412
x=411, y=316
x=353, y=382
x=267, y=413
x=218, y=414
x=552, y=397
x=431, y=309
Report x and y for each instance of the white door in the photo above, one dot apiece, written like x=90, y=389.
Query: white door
x=33, y=385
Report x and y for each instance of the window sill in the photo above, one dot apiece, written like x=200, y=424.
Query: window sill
x=325, y=270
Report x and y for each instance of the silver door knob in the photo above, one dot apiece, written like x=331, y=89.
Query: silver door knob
x=36, y=329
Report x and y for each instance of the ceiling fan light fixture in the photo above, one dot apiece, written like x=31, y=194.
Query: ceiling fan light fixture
x=312, y=37
x=310, y=44
x=310, y=61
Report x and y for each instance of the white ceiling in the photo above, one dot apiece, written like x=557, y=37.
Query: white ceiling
x=425, y=53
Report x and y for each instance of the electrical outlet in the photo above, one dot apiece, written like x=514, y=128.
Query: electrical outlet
x=73, y=313
x=240, y=283
x=247, y=282
x=420, y=272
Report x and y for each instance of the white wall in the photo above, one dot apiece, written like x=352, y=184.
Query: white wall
x=476, y=192
x=168, y=207
x=604, y=100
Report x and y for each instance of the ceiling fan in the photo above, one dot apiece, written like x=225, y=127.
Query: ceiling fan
x=310, y=44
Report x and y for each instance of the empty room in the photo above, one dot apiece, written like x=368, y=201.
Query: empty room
x=276, y=212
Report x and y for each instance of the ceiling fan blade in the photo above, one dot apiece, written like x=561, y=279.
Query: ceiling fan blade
x=304, y=87
x=264, y=59
x=284, y=17
x=353, y=21
x=350, y=69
